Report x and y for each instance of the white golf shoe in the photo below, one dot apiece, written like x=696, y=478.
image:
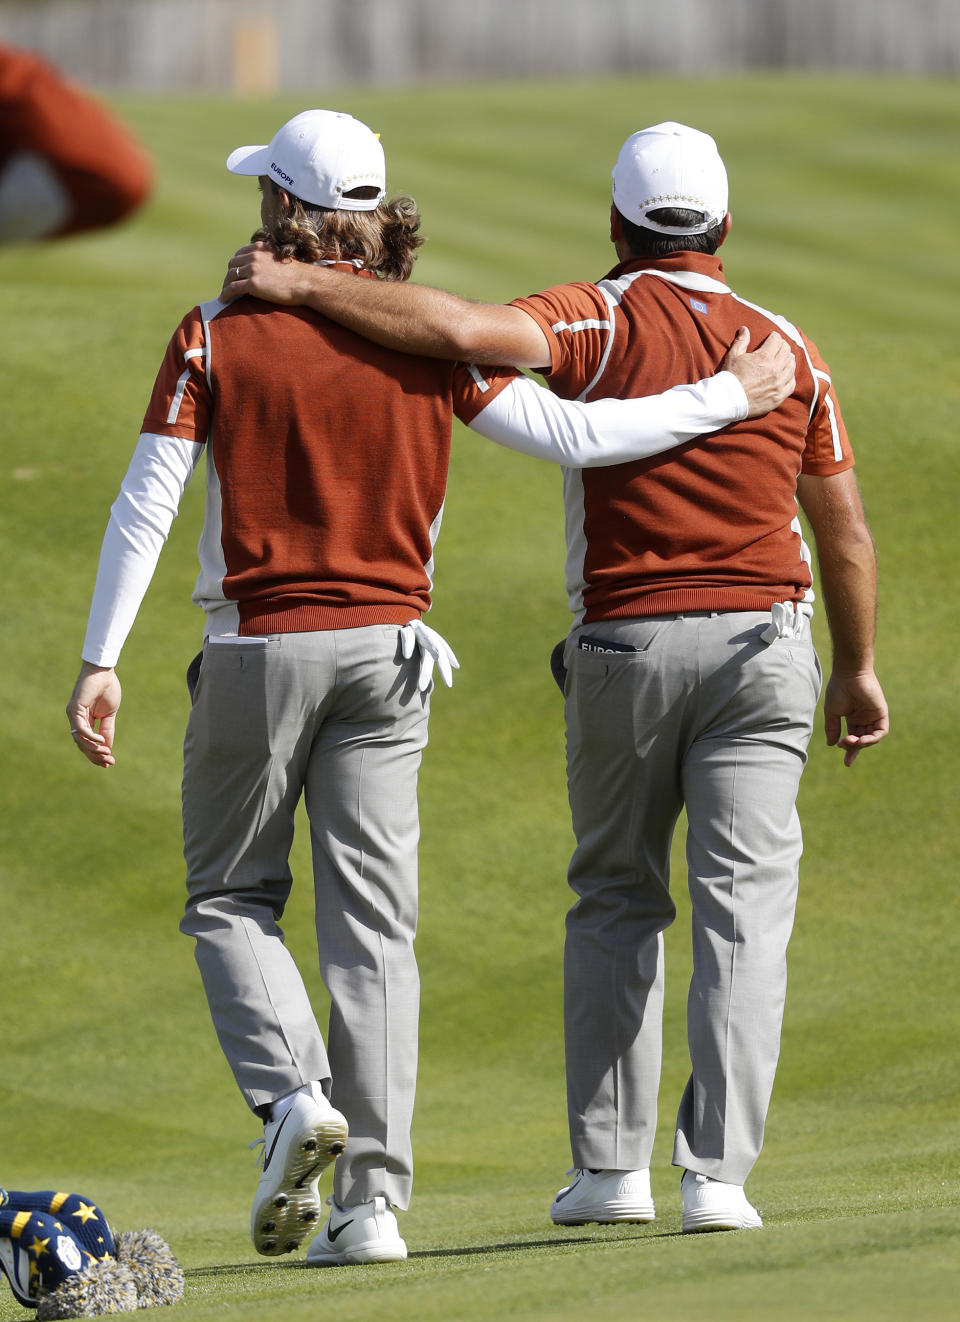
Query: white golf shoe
x=297, y=1149
x=712, y=1205
x=604, y=1196
x=366, y=1232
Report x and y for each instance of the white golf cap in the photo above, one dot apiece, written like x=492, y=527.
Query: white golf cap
x=670, y=165
x=319, y=156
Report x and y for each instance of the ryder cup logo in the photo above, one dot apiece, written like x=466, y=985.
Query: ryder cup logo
x=69, y=1253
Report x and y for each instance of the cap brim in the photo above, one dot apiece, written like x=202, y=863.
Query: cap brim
x=249, y=160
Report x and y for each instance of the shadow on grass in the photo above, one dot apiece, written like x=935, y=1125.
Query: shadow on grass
x=467, y=1251
x=519, y=1246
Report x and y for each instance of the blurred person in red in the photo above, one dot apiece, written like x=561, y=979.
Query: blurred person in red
x=66, y=163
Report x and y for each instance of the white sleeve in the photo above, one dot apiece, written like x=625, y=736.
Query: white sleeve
x=140, y=520
x=33, y=200
x=526, y=417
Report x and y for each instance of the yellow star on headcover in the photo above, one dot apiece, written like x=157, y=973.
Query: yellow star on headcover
x=85, y=1212
x=39, y=1246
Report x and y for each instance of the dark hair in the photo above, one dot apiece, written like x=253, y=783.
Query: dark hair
x=644, y=242
x=385, y=240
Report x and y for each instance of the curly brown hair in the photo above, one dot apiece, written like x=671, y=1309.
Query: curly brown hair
x=384, y=240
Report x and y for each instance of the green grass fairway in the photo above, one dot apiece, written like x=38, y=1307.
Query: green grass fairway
x=844, y=194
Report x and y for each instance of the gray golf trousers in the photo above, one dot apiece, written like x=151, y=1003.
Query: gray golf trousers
x=705, y=715
x=335, y=717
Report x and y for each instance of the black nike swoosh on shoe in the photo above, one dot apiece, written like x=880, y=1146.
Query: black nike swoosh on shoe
x=324, y=1161
x=268, y=1156
x=560, y=1196
x=334, y=1235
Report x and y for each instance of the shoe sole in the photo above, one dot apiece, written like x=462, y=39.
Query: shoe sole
x=695, y=1223
x=286, y=1211
x=373, y=1251
x=603, y=1214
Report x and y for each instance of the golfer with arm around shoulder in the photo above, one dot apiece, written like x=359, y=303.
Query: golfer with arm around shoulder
x=691, y=677
x=326, y=468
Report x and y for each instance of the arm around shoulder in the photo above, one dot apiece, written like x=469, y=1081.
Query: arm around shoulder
x=530, y=419
x=399, y=315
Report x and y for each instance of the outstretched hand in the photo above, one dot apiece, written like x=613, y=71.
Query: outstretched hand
x=858, y=700
x=768, y=375
x=92, y=713
x=255, y=269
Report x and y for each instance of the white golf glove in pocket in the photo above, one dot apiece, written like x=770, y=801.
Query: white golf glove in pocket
x=434, y=650
x=786, y=621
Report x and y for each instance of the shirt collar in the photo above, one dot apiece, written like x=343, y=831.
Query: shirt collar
x=700, y=263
